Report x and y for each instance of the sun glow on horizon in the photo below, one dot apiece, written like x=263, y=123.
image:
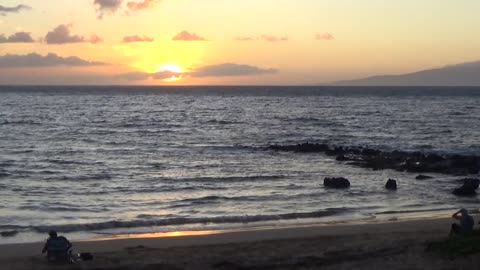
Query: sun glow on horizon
x=170, y=67
x=173, y=68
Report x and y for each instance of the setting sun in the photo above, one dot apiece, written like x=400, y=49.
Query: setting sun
x=170, y=67
x=175, y=69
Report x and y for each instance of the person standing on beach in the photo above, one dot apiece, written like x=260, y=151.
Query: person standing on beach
x=466, y=223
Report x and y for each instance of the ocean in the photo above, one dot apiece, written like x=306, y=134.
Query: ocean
x=91, y=161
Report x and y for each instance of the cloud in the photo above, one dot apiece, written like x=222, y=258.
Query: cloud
x=229, y=69
x=37, y=60
x=324, y=36
x=140, y=76
x=145, y=4
x=137, y=38
x=264, y=37
x=220, y=70
x=4, y=10
x=271, y=38
x=94, y=39
x=107, y=7
x=19, y=37
x=186, y=36
x=166, y=74
x=61, y=35
x=246, y=38
x=134, y=76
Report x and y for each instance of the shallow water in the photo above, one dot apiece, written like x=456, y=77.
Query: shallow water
x=96, y=160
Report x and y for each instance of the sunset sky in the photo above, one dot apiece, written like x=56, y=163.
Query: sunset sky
x=230, y=41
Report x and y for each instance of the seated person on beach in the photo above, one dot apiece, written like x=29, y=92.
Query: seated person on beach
x=466, y=223
x=57, y=247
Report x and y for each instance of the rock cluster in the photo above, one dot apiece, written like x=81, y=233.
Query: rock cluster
x=397, y=160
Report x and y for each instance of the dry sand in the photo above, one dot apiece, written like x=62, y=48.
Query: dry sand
x=394, y=245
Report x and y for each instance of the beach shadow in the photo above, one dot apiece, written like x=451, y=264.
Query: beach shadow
x=458, y=246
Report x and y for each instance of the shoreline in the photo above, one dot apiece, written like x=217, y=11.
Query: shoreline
x=213, y=228
x=212, y=237
x=339, y=246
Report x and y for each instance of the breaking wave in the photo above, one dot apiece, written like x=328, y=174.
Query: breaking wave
x=151, y=221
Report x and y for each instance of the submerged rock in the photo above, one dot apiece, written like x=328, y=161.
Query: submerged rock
x=338, y=182
x=469, y=187
x=391, y=184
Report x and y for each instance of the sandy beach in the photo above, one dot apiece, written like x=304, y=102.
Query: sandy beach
x=392, y=245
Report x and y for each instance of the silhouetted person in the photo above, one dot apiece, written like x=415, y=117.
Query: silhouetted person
x=466, y=223
x=57, y=247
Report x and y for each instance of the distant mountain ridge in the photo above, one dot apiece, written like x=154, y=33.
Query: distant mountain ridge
x=464, y=74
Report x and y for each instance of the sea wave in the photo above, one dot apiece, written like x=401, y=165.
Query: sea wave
x=19, y=122
x=115, y=224
x=222, y=122
x=415, y=211
x=226, y=179
x=87, y=177
x=211, y=199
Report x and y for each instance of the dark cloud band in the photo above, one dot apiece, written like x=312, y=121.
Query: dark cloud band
x=37, y=60
x=221, y=70
x=19, y=37
x=15, y=9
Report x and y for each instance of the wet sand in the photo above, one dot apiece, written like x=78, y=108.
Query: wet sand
x=392, y=245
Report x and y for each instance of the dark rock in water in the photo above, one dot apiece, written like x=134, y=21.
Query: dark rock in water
x=464, y=191
x=472, y=182
x=370, y=152
x=468, y=188
x=423, y=177
x=396, y=160
x=338, y=182
x=8, y=233
x=434, y=158
x=391, y=184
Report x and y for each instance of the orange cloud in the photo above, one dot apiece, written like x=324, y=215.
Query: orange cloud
x=246, y=38
x=141, y=76
x=95, y=39
x=137, y=38
x=142, y=5
x=271, y=38
x=186, y=36
x=324, y=36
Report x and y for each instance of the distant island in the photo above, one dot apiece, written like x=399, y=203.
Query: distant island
x=465, y=74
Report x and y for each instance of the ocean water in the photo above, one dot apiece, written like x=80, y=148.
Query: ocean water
x=90, y=161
